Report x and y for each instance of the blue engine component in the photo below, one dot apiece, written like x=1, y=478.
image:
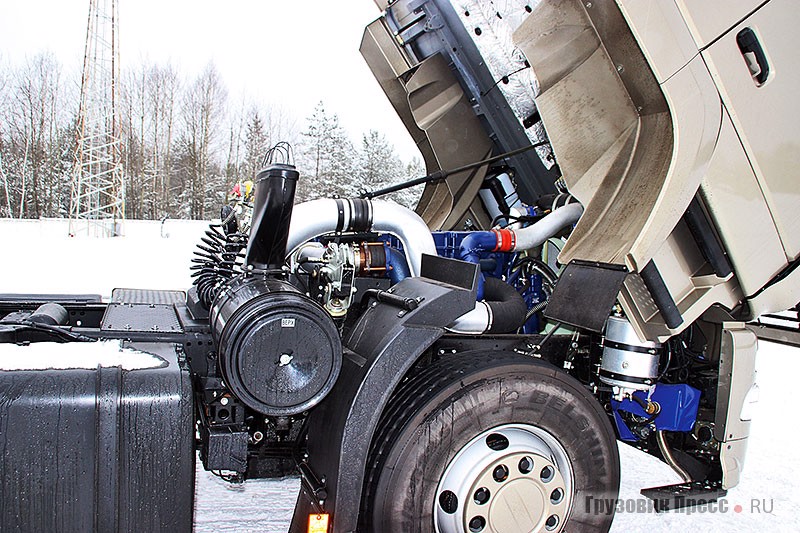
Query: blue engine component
x=448, y=244
x=496, y=265
x=396, y=264
x=493, y=264
x=679, y=404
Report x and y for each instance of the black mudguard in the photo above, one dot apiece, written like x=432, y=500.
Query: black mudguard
x=382, y=347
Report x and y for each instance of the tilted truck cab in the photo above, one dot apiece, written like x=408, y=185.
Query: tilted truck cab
x=609, y=199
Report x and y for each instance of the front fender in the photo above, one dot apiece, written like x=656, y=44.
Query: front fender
x=383, y=346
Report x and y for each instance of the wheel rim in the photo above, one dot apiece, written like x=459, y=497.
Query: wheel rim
x=514, y=478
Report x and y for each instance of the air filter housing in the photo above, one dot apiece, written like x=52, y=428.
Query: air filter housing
x=279, y=351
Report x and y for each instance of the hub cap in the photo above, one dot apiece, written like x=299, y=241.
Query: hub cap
x=514, y=478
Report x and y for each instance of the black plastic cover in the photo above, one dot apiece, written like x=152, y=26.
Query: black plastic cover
x=585, y=293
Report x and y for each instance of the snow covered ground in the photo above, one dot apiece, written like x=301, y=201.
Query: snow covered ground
x=39, y=257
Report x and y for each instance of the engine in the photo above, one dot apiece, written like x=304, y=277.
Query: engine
x=283, y=285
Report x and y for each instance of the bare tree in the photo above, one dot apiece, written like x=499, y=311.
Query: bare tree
x=164, y=87
x=149, y=95
x=202, y=114
x=3, y=176
x=233, y=166
x=32, y=122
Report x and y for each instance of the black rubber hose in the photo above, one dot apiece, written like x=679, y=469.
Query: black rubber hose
x=507, y=306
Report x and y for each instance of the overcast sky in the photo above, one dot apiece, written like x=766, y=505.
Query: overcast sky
x=291, y=53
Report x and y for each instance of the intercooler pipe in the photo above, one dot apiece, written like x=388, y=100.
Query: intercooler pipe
x=326, y=216
x=272, y=212
x=508, y=240
x=535, y=234
x=482, y=318
x=502, y=311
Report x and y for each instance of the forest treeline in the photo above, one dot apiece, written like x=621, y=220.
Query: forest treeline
x=185, y=143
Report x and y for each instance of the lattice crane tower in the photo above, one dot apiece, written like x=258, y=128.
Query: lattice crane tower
x=97, y=200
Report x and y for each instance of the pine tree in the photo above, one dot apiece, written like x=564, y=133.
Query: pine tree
x=256, y=144
x=380, y=167
x=379, y=164
x=410, y=197
x=327, y=158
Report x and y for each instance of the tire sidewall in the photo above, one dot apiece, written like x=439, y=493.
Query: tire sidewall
x=532, y=393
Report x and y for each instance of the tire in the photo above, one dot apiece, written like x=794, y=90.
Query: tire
x=469, y=416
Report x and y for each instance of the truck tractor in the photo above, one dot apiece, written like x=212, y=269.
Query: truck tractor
x=609, y=198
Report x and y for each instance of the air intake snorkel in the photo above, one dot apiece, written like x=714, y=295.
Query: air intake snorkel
x=272, y=212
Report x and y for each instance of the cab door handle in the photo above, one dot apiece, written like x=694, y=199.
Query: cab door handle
x=754, y=55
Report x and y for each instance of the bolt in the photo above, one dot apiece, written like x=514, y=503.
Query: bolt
x=224, y=400
x=620, y=69
x=624, y=364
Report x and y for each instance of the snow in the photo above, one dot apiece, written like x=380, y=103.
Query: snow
x=90, y=355
x=39, y=257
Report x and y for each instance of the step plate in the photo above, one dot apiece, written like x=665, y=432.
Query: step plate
x=147, y=296
x=141, y=317
x=682, y=495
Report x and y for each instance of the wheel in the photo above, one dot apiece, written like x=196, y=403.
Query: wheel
x=490, y=442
